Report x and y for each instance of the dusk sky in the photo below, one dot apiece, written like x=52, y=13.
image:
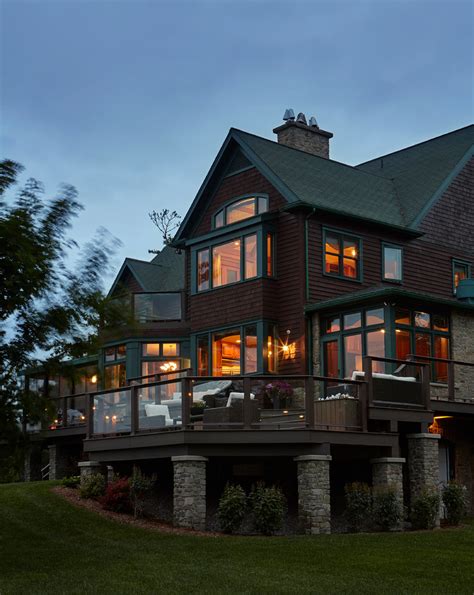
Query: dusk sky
x=130, y=101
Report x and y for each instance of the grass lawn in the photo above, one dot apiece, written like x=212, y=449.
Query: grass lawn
x=49, y=546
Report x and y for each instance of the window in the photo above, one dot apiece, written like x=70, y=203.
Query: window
x=160, y=349
x=341, y=255
x=250, y=363
x=240, y=210
x=170, y=349
x=374, y=316
x=203, y=356
x=114, y=376
x=392, y=263
x=113, y=353
x=156, y=307
x=151, y=350
x=239, y=259
x=461, y=270
x=226, y=353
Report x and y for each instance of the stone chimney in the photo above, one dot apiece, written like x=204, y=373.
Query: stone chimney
x=298, y=134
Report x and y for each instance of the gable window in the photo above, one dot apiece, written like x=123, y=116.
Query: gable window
x=391, y=263
x=341, y=255
x=240, y=210
x=461, y=270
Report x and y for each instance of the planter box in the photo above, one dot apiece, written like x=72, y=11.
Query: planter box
x=337, y=414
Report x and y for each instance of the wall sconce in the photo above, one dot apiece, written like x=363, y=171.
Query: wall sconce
x=287, y=349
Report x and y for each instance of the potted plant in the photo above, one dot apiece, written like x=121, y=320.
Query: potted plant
x=280, y=394
x=198, y=407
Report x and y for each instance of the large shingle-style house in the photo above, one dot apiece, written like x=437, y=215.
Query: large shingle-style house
x=312, y=324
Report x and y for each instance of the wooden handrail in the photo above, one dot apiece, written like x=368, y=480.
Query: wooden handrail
x=440, y=359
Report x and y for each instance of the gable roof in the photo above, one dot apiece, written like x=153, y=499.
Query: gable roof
x=164, y=273
x=397, y=195
x=419, y=171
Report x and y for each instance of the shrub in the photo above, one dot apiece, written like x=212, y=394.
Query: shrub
x=454, y=499
x=92, y=486
x=268, y=507
x=71, y=482
x=231, y=510
x=140, y=487
x=387, y=510
x=358, y=505
x=425, y=509
x=117, y=496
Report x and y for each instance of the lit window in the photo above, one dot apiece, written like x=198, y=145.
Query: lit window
x=341, y=255
x=461, y=270
x=114, y=376
x=170, y=349
x=376, y=348
x=241, y=210
x=250, y=256
x=151, y=349
x=203, y=270
x=352, y=354
x=392, y=263
x=226, y=353
x=226, y=263
x=203, y=355
x=250, y=363
x=269, y=255
x=271, y=354
x=402, y=316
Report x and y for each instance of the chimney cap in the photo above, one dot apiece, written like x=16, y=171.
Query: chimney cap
x=301, y=118
x=313, y=122
x=289, y=115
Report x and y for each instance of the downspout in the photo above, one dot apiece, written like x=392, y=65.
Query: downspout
x=309, y=330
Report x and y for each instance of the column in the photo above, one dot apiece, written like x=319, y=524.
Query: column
x=88, y=468
x=189, y=491
x=58, y=461
x=314, y=501
x=423, y=463
x=32, y=465
x=388, y=471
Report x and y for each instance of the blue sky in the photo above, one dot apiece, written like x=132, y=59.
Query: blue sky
x=130, y=101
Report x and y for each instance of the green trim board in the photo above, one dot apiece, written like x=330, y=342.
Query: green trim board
x=359, y=297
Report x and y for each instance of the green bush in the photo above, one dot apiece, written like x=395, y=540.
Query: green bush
x=425, y=509
x=358, y=505
x=140, y=487
x=93, y=486
x=454, y=499
x=71, y=482
x=232, y=507
x=387, y=510
x=268, y=507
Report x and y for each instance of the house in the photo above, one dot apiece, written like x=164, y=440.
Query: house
x=312, y=324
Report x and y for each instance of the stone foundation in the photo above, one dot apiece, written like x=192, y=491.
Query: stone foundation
x=88, y=468
x=189, y=492
x=314, y=503
x=58, y=461
x=388, y=471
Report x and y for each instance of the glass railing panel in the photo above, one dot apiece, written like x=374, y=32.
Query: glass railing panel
x=76, y=410
x=112, y=412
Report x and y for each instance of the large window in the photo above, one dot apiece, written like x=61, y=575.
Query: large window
x=392, y=263
x=240, y=210
x=233, y=261
x=157, y=307
x=247, y=349
x=461, y=270
x=341, y=255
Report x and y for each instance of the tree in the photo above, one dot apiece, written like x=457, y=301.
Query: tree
x=49, y=311
x=167, y=222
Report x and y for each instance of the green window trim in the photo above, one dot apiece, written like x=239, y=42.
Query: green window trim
x=464, y=264
x=389, y=245
x=260, y=199
x=343, y=235
x=261, y=234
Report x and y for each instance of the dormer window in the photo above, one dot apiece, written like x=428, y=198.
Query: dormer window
x=241, y=209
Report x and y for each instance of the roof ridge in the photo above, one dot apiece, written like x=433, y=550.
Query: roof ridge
x=143, y=261
x=352, y=167
x=429, y=140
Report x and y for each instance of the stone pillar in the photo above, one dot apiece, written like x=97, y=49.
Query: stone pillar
x=88, y=468
x=32, y=465
x=189, y=492
x=58, y=461
x=314, y=502
x=110, y=474
x=388, y=471
x=423, y=463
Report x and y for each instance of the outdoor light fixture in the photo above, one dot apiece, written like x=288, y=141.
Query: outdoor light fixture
x=94, y=379
x=287, y=349
x=169, y=367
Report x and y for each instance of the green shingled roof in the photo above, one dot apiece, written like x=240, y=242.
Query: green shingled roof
x=419, y=171
x=164, y=273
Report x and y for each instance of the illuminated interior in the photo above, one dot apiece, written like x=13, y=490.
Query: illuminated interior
x=341, y=256
x=226, y=353
x=226, y=263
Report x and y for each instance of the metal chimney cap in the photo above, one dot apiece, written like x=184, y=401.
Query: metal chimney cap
x=313, y=122
x=289, y=115
x=301, y=118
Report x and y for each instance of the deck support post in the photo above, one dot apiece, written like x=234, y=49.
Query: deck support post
x=388, y=472
x=189, y=491
x=314, y=497
x=58, y=461
x=32, y=464
x=423, y=463
x=88, y=468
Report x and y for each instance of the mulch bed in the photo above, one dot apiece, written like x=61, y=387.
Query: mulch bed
x=72, y=496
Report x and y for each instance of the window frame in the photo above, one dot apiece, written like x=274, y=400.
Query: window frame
x=343, y=236
x=223, y=209
x=393, y=247
x=462, y=263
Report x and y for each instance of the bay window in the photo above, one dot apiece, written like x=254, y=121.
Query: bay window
x=226, y=260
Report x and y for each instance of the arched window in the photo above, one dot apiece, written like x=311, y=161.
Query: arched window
x=241, y=209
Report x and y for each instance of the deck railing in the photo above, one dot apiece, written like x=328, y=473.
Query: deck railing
x=458, y=378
